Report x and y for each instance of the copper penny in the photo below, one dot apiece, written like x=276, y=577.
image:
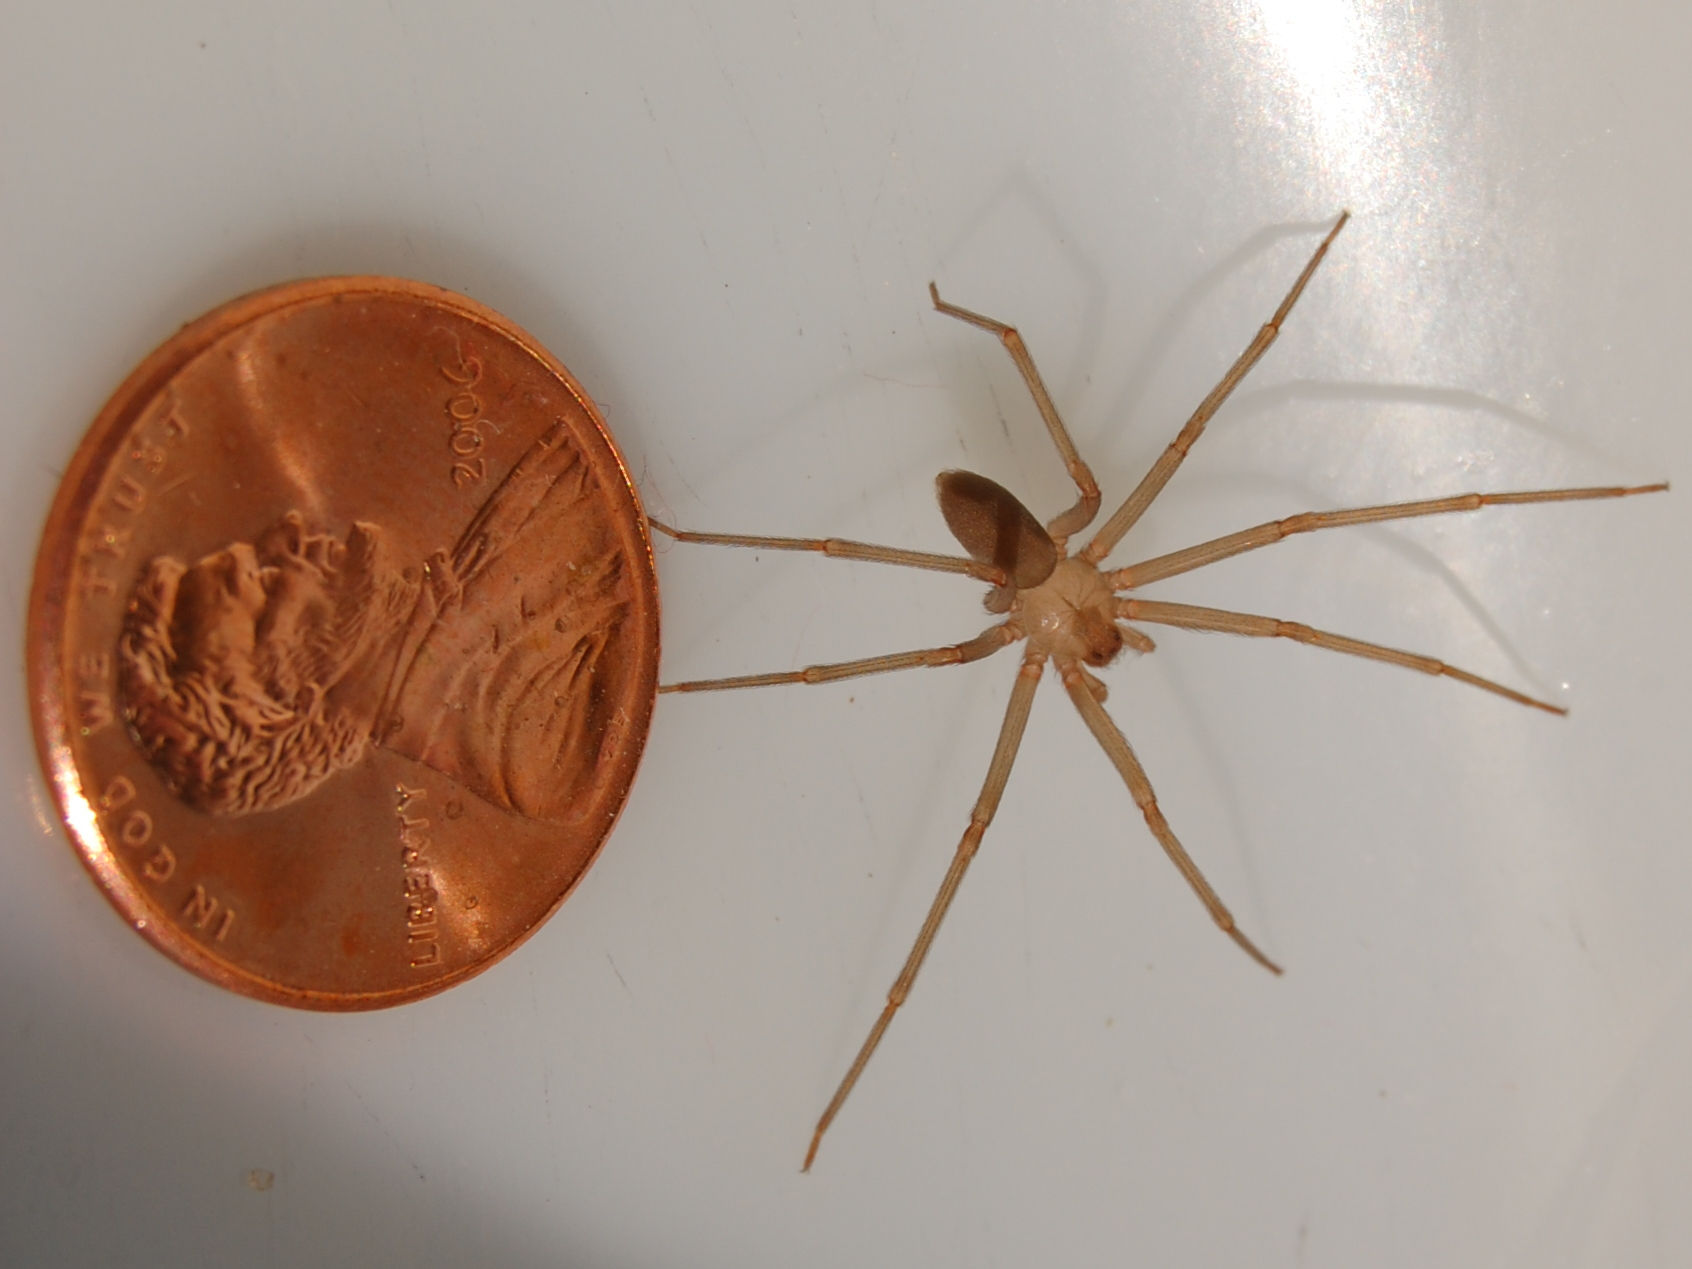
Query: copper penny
x=343, y=642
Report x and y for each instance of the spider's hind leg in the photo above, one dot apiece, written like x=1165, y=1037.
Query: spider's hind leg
x=1086, y=505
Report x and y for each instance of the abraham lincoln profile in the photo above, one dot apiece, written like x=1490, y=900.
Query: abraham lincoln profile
x=257, y=673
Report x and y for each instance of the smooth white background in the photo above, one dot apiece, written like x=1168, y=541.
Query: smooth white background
x=723, y=218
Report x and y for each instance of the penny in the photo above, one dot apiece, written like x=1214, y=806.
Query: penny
x=343, y=642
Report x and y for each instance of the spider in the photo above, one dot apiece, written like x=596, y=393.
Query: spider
x=1073, y=613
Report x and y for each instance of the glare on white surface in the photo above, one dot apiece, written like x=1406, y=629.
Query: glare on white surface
x=1323, y=50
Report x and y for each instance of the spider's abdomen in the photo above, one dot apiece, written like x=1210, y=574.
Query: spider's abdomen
x=989, y=523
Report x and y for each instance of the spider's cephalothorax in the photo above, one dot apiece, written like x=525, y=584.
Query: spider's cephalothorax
x=1071, y=612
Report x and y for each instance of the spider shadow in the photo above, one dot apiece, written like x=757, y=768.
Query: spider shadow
x=1451, y=400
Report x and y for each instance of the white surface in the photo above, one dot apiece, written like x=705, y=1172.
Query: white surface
x=723, y=219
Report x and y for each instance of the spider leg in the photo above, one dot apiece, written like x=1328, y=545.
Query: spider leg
x=1167, y=462
x=984, y=644
x=842, y=549
x=1190, y=617
x=1116, y=748
x=998, y=772
x=1192, y=557
x=1086, y=506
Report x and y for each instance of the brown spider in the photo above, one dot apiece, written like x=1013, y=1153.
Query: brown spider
x=1075, y=614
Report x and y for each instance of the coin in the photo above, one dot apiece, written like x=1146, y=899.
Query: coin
x=343, y=642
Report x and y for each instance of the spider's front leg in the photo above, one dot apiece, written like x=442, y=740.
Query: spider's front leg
x=998, y=772
x=1116, y=747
